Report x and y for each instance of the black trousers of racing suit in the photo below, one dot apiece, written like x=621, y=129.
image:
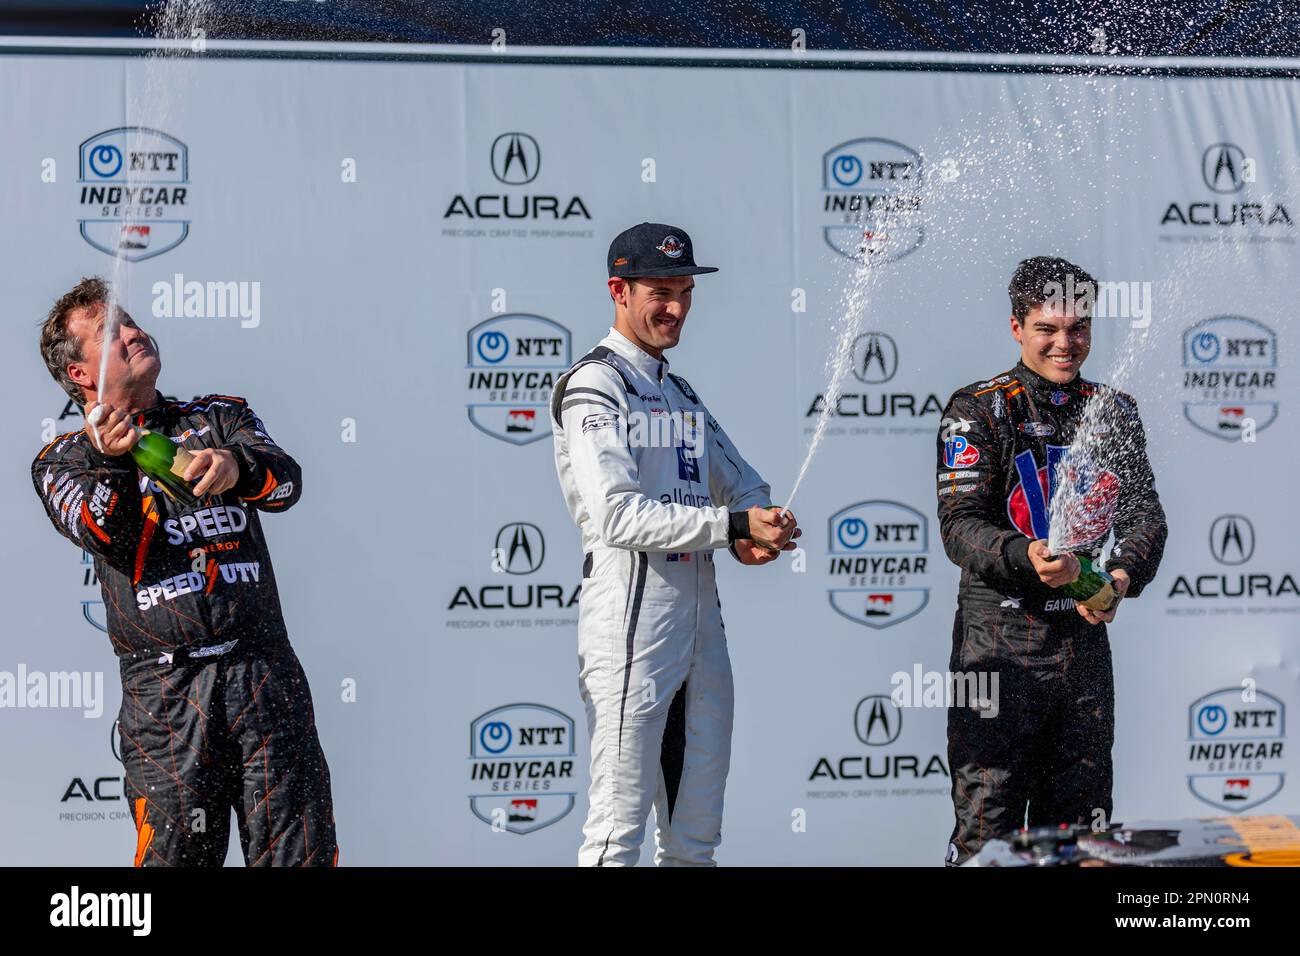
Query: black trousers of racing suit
x=234, y=729
x=1047, y=749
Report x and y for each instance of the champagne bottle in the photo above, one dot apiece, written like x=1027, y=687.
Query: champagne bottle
x=165, y=462
x=1093, y=588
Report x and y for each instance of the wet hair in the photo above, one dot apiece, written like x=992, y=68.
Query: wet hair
x=1041, y=278
x=59, y=347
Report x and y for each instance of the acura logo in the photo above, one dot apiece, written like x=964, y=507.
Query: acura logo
x=877, y=720
x=875, y=358
x=1222, y=166
x=1232, y=539
x=519, y=549
x=516, y=158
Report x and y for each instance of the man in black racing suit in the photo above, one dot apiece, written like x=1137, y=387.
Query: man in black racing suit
x=216, y=712
x=1045, y=742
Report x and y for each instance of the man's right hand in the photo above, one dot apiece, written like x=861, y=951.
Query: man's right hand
x=1054, y=572
x=116, y=435
x=768, y=529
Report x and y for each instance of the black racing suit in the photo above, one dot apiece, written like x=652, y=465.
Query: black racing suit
x=1047, y=742
x=216, y=711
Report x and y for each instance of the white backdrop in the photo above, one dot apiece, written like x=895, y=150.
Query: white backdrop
x=370, y=291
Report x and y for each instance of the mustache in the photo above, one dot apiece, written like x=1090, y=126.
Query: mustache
x=153, y=346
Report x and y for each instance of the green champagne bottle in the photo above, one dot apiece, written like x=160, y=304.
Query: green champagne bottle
x=165, y=462
x=1093, y=588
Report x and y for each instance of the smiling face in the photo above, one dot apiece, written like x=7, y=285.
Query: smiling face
x=652, y=311
x=1053, y=342
x=133, y=360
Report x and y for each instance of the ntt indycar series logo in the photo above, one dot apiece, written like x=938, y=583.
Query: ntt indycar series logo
x=1230, y=383
x=878, y=563
x=134, y=192
x=513, y=362
x=1236, y=747
x=871, y=197
x=521, y=767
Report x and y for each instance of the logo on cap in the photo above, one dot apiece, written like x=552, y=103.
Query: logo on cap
x=672, y=247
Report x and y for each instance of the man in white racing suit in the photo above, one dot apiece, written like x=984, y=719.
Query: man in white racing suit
x=655, y=485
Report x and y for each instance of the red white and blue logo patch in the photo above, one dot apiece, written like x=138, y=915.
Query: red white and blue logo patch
x=959, y=453
x=672, y=247
x=1095, y=497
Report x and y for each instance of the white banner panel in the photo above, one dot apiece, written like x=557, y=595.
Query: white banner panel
x=427, y=242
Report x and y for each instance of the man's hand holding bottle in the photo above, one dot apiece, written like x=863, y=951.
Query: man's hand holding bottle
x=1064, y=569
x=110, y=429
x=212, y=471
x=770, y=534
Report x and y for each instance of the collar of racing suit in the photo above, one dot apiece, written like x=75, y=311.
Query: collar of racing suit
x=656, y=368
x=153, y=412
x=1042, y=388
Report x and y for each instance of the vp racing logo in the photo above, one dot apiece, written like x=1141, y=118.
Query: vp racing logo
x=871, y=199
x=1230, y=376
x=878, y=556
x=513, y=362
x=134, y=192
x=521, y=767
x=1236, y=748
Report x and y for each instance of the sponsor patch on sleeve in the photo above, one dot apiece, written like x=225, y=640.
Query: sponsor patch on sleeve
x=954, y=489
x=959, y=453
x=599, y=420
x=956, y=475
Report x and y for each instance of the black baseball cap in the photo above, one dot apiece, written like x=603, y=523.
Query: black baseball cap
x=653, y=249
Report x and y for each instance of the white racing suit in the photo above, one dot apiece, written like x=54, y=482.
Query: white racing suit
x=652, y=654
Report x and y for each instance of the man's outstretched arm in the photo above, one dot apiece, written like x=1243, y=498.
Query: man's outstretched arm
x=92, y=499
